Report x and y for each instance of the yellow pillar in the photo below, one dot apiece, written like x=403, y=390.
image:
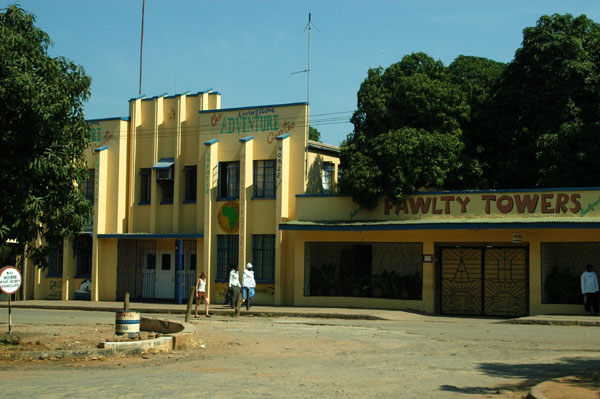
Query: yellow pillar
x=282, y=178
x=246, y=181
x=100, y=207
x=210, y=183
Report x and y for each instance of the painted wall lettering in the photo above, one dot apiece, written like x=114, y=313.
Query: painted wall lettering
x=544, y=203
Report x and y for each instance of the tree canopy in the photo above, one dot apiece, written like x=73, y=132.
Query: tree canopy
x=43, y=136
x=478, y=123
x=314, y=134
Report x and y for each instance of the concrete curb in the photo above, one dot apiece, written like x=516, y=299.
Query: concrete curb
x=546, y=322
x=216, y=312
x=161, y=344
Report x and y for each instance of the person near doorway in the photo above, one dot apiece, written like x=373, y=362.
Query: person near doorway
x=248, y=284
x=201, y=294
x=589, y=289
x=234, y=285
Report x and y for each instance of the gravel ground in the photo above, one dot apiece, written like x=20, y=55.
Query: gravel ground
x=307, y=358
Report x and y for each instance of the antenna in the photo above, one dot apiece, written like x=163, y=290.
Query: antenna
x=309, y=25
x=142, y=45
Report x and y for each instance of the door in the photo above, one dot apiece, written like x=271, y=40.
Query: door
x=461, y=281
x=490, y=281
x=506, y=282
x=165, y=276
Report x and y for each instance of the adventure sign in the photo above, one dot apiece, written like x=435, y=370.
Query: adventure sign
x=10, y=280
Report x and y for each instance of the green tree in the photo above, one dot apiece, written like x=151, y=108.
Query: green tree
x=547, y=108
x=407, y=131
x=477, y=78
x=43, y=136
x=314, y=134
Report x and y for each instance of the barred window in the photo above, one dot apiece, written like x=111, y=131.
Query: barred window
x=190, y=174
x=227, y=254
x=264, y=179
x=145, y=184
x=263, y=257
x=55, y=257
x=229, y=180
x=328, y=170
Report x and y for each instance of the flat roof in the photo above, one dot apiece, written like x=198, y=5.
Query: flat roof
x=446, y=224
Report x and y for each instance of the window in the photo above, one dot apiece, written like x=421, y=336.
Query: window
x=145, y=175
x=229, y=180
x=165, y=263
x=369, y=269
x=88, y=185
x=263, y=256
x=264, y=179
x=189, y=173
x=55, y=257
x=164, y=178
x=562, y=265
x=328, y=169
x=227, y=254
x=83, y=252
x=150, y=261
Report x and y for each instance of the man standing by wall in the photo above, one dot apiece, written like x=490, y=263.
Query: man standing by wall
x=589, y=289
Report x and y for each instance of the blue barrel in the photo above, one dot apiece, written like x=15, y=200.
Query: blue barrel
x=127, y=323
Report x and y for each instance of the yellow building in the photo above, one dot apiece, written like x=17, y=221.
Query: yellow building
x=182, y=186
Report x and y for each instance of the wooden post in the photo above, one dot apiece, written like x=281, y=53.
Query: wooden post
x=126, y=302
x=188, y=312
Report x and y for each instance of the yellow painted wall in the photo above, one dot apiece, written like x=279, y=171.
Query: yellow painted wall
x=108, y=269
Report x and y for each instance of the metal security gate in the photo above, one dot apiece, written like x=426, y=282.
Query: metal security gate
x=186, y=275
x=484, y=281
x=136, y=268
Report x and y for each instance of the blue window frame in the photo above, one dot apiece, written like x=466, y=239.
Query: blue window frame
x=328, y=170
x=263, y=257
x=190, y=177
x=229, y=180
x=55, y=257
x=145, y=185
x=264, y=179
x=227, y=254
x=83, y=253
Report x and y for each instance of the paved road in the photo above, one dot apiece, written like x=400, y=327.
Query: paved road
x=307, y=358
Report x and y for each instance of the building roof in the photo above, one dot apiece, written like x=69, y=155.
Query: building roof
x=564, y=222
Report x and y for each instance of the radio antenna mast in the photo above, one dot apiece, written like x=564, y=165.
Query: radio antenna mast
x=309, y=26
x=142, y=44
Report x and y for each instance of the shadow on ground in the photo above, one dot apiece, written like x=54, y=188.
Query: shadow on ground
x=585, y=370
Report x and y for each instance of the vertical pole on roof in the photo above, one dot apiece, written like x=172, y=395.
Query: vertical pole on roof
x=142, y=44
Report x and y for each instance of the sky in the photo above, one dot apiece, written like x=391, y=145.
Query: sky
x=248, y=50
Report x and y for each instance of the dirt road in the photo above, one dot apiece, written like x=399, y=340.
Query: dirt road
x=306, y=358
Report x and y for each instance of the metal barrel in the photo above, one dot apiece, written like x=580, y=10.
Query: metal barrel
x=127, y=323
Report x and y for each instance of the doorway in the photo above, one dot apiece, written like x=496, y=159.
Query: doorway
x=483, y=280
x=165, y=276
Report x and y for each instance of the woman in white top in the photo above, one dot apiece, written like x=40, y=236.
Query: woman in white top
x=201, y=294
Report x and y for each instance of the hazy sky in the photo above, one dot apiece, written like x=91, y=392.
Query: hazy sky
x=247, y=50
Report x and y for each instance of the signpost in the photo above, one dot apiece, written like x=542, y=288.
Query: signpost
x=10, y=282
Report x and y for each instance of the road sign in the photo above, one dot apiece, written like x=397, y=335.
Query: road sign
x=10, y=280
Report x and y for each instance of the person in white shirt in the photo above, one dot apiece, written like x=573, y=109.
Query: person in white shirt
x=589, y=289
x=234, y=284
x=248, y=284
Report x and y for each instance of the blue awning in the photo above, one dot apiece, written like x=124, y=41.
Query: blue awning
x=164, y=163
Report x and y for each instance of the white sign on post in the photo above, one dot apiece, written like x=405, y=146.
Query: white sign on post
x=10, y=280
